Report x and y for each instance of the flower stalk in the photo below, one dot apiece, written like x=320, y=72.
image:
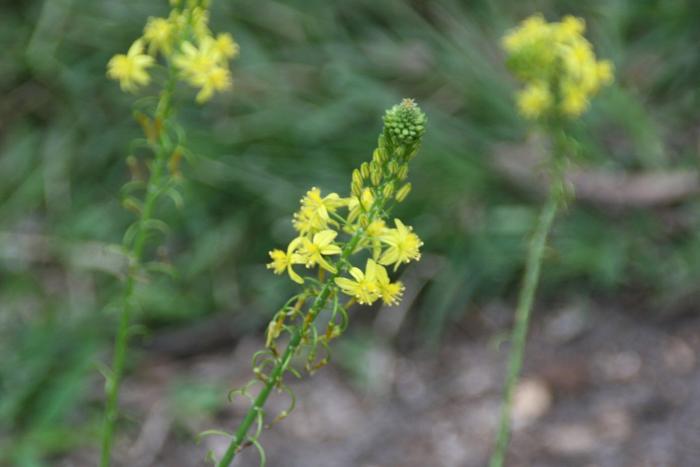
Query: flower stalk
x=154, y=189
x=283, y=364
x=556, y=199
x=375, y=186
x=190, y=54
x=560, y=73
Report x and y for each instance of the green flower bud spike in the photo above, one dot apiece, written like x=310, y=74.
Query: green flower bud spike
x=405, y=123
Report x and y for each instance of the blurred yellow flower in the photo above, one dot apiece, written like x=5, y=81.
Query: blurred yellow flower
x=557, y=65
x=200, y=23
x=534, y=100
x=130, y=69
x=216, y=79
x=573, y=101
x=202, y=66
x=605, y=72
x=159, y=34
x=184, y=38
x=226, y=46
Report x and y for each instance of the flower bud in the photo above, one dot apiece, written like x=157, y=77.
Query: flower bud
x=388, y=191
x=403, y=192
x=393, y=167
x=402, y=173
x=364, y=170
x=356, y=177
x=405, y=122
x=367, y=199
x=379, y=156
x=376, y=177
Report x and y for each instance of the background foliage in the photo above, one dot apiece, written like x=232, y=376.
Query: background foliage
x=310, y=86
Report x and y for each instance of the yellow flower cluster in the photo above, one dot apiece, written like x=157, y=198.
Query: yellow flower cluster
x=319, y=223
x=322, y=220
x=558, y=66
x=184, y=40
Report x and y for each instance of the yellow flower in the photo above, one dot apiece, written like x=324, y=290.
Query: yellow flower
x=306, y=221
x=403, y=245
x=554, y=59
x=531, y=30
x=329, y=203
x=373, y=234
x=314, y=250
x=201, y=67
x=216, y=78
x=390, y=292
x=282, y=261
x=193, y=61
x=314, y=214
x=159, y=33
x=130, y=69
x=178, y=19
x=363, y=287
x=534, y=100
x=375, y=229
x=571, y=26
x=574, y=101
x=604, y=72
x=579, y=58
x=226, y=46
x=200, y=23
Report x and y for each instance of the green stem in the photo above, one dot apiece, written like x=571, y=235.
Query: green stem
x=526, y=297
x=283, y=363
x=122, y=337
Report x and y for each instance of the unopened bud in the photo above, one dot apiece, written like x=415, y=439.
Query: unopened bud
x=388, y=191
x=393, y=167
x=364, y=170
x=379, y=156
x=405, y=122
x=402, y=172
x=367, y=199
x=403, y=192
x=376, y=178
x=356, y=177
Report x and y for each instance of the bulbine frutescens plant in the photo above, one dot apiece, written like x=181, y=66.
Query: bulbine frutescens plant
x=340, y=257
x=560, y=74
x=179, y=48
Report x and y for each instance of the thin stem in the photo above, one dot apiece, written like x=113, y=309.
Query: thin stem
x=283, y=362
x=122, y=337
x=526, y=297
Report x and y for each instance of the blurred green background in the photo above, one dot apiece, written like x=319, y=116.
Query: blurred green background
x=311, y=85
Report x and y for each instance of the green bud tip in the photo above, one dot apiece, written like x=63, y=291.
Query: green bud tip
x=405, y=122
